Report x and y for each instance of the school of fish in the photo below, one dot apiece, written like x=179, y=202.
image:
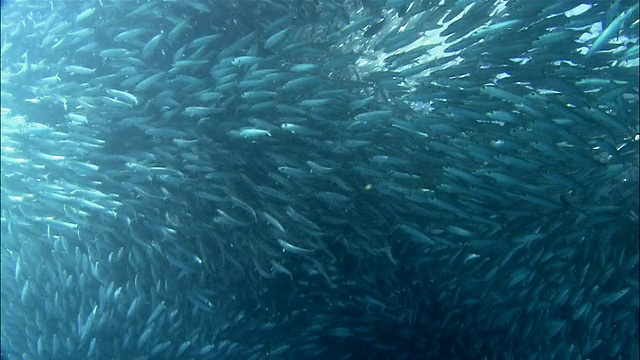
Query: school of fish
x=281, y=179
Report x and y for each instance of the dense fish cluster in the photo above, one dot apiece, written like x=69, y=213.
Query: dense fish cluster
x=393, y=179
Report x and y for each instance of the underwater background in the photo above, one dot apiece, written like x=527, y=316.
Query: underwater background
x=357, y=179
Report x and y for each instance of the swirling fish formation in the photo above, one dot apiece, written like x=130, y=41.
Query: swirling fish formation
x=401, y=179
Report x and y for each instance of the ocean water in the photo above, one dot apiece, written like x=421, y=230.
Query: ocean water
x=388, y=179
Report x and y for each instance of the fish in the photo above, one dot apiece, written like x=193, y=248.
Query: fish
x=611, y=29
x=184, y=181
x=292, y=248
x=274, y=39
x=249, y=133
x=124, y=96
